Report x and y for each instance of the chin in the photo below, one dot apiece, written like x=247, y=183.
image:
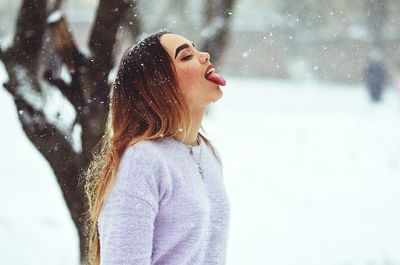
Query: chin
x=217, y=94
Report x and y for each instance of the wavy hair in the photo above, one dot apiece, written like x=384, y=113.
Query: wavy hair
x=145, y=104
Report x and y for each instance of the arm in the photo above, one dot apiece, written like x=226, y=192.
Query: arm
x=126, y=232
x=126, y=221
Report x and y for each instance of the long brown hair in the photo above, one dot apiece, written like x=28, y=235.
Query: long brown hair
x=145, y=104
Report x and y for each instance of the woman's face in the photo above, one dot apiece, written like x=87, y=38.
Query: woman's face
x=191, y=67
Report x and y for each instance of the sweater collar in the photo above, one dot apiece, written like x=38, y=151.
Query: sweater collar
x=174, y=142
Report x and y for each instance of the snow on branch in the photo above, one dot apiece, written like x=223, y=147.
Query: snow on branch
x=68, y=90
x=54, y=17
x=25, y=89
x=30, y=104
x=5, y=44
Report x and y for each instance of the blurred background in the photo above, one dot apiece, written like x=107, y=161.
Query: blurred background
x=323, y=40
x=308, y=126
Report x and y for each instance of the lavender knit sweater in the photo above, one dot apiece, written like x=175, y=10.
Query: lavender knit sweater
x=160, y=211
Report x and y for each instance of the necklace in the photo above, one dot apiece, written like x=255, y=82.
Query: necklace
x=198, y=163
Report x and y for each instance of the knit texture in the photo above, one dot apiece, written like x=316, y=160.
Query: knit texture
x=160, y=210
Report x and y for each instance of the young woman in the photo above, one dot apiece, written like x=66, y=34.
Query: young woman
x=155, y=190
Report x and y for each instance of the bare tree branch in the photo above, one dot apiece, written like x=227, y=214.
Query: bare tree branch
x=30, y=108
x=37, y=128
x=30, y=28
x=64, y=41
x=110, y=14
x=131, y=21
x=55, y=6
x=104, y=32
x=68, y=90
x=217, y=28
x=44, y=134
x=67, y=51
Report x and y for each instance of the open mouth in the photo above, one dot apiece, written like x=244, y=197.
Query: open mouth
x=211, y=76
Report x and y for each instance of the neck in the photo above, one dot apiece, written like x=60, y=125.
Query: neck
x=192, y=136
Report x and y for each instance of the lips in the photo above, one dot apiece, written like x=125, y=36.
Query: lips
x=211, y=76
x=209, y=67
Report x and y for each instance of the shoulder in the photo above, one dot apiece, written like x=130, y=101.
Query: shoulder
x=143, y=160
x=141, y=173
x=146, y=152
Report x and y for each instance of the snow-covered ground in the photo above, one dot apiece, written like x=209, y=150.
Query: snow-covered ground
x=312, y=172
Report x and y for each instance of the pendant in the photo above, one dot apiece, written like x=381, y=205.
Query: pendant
x=198, y=164
x=201, y=172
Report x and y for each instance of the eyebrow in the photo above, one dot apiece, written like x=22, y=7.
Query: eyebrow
x=183, y=46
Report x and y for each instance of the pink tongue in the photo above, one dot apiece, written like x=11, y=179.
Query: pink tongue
x=217, y=79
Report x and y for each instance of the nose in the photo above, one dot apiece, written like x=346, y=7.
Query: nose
x=204, y=57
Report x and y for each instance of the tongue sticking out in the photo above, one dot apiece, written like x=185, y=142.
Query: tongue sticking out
x=216, y=78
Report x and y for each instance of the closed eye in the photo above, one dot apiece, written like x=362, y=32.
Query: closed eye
x=186, y=58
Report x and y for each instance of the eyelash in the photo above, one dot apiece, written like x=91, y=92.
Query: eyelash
x=186, y=58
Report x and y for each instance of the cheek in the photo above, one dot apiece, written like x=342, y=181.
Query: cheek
x=189, y=76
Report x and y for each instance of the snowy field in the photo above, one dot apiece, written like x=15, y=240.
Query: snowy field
x=312, y=172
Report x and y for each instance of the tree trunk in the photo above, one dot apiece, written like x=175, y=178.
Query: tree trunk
x=87, y=92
